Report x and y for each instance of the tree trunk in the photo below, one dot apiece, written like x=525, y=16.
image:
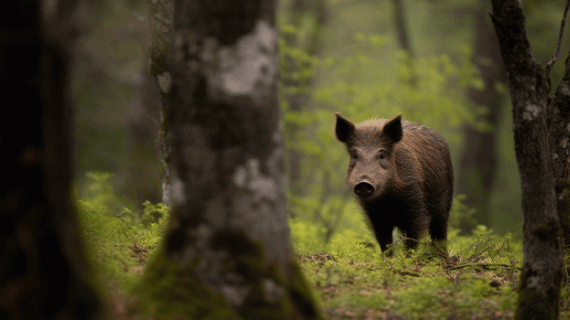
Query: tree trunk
x=478, y=164
x=226, y=251
x=559, y=133
x=404, y=42
x=43, y=273
x=144, y=156
x=144, y=172
x=160, y=21
x=542, y=272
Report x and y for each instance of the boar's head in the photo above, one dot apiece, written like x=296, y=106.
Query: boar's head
x=370, y=144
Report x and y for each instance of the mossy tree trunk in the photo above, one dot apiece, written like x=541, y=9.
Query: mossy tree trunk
x=477, y=168
x=227, y=250
x=43, y=272
x=529, y=85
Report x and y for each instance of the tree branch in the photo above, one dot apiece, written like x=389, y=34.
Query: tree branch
x=548, y=65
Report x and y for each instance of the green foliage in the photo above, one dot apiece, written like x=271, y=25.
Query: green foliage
x=118, y=239
x=435, y=99
x=120, y=242
x=461, y=216
x=477, y=280
x=153, y=213
x=309, y=232
x=423, y=296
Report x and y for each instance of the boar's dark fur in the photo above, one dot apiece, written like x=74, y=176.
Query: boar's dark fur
x=402, y=175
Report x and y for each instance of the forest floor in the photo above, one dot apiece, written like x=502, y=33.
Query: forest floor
x=413, y=287
x=477, y=282
x=419, y=285
x=351, y=278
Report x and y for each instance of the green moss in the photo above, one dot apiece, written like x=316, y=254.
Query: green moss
x=532, y=305
x=302, y=294
x=169, y=292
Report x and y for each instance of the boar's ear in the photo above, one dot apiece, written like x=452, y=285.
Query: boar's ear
x=344, y=128
x=393, y=128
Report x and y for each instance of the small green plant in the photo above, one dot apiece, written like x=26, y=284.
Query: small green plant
x=422, y=296
x=461, y=216
x=153, y=213
x=118, y=238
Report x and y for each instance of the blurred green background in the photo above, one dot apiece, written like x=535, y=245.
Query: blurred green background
x=424, y=59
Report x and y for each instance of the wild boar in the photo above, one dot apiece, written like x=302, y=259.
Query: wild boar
x=402, y=175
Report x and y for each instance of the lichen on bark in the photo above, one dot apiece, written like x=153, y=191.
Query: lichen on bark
x=228, y=233
x=246, y=68
x=529, y=86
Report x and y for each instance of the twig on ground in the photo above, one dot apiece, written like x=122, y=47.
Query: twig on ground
x=484, y=265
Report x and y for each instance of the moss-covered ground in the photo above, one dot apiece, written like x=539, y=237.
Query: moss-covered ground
x=350, y=276
x=477, y=281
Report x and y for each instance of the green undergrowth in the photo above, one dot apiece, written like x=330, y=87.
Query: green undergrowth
x=119, y=239
x=477, y=279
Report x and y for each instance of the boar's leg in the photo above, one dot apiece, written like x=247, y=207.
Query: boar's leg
x=413, y=218
x=438, y=229
x=384, y=236
x=411, y=237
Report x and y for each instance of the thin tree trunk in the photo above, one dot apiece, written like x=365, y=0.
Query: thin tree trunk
x=226, y=251
x=43, y=272
x=144, y=170
x=542, y=272
x=144, y=156
x=160, y=21
x=559, y=133
x=477, y=168
x=404, y=41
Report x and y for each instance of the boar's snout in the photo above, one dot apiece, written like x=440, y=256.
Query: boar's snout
x=364, y=189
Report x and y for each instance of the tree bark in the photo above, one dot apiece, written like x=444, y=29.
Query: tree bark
x=160, y=21
x=559, y=133
x=228, y=236
x=542, y=272
x=477, y=169
x=43, y=272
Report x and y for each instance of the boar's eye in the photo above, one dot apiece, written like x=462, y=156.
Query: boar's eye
x=382, y=157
